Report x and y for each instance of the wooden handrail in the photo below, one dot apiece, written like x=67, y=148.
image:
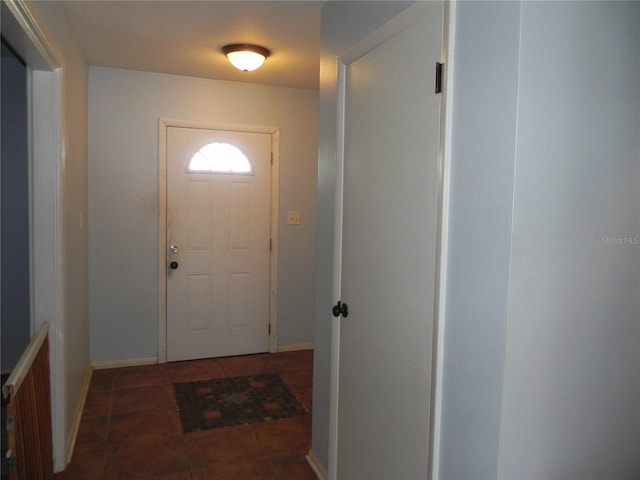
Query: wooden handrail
x=28, y=388
x=13, y=383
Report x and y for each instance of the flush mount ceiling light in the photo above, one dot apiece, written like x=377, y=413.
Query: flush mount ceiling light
x=246, y=57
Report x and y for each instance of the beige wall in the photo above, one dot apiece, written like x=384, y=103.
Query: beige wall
x=51, y=16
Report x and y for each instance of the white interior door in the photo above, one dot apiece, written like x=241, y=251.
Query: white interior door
x=218, y=243
x=388, y=248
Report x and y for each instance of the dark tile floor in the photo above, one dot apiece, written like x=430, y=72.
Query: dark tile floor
x=130, y=428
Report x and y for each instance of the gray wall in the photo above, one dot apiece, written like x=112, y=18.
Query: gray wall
x=572, y=362
x=15, y=314
x=343, y=23
x=124, y=107
x=541, y=374
x=482, y=167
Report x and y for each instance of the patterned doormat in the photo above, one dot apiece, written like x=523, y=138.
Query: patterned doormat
x=225, y=402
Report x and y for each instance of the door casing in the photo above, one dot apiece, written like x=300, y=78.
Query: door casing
x=163, y=125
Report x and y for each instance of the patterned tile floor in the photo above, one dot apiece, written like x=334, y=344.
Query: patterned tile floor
x=130, y=428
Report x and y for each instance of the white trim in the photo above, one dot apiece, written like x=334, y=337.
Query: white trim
x=59, y=368
x=294, y=347
x=334, y=364
x=316, y=465
x=47, y=158
x=163, y=125
x=162, y=240
x=47, y=235
x=75, y=425
x=273, y=267
x=444, y=176
x=26, y=35
x=131, y=362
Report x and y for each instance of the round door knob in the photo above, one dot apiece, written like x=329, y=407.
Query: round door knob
x=340, y=309
x=173, y=265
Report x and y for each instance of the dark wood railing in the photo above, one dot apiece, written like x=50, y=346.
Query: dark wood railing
x=28, y=390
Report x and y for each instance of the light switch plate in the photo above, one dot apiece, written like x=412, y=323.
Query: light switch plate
x=293, y=218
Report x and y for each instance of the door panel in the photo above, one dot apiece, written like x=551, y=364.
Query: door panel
x=218, y=296
x=240, y=216
x=199, y=232
x=388, y=254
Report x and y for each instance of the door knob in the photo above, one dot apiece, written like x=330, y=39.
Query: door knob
x=340, y=309
x=173, y=265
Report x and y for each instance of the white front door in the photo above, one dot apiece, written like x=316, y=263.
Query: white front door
x=388, y=248
x=218, y=231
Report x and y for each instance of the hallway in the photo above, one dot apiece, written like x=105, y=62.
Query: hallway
x=131, y=426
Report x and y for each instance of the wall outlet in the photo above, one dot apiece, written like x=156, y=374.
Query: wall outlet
x=293, y=218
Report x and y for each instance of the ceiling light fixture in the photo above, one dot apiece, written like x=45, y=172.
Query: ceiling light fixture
x=246, y=57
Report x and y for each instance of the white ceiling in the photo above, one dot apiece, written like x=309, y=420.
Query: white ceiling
x=184, y=37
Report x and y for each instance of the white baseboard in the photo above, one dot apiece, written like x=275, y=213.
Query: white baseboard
x=316, y=466
x=295, y=346
x=73, y=432
x=131, y=362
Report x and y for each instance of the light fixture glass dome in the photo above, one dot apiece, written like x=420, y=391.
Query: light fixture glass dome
x=246, y=57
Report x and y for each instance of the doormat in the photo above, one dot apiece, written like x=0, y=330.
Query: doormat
x=225, y=402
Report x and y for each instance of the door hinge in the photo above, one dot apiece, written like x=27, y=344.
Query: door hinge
x=269, y=329
x=270, y=245
x=271, y=158
x=439, y=77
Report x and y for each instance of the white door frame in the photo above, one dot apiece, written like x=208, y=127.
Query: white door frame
x=163, y=125
x=370, y=41
x=47, y=132
x=442, y=232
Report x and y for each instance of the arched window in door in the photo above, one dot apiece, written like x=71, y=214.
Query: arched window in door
x=220, y=158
